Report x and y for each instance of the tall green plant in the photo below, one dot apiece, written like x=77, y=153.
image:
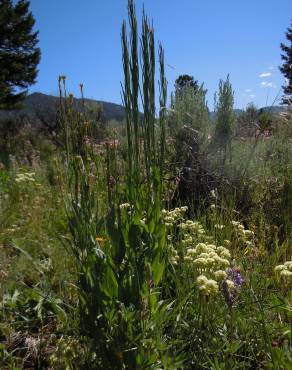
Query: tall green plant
x=120, y=259
x=145, y=144
x=224, y=102
x=189, y=108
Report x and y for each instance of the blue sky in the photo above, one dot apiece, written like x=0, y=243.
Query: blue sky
x=207, y=39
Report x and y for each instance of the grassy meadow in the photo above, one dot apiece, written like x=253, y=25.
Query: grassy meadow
x=164, y=245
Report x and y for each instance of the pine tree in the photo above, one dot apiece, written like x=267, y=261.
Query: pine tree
x=19, y=55
x=190, y=108
x=184, y=81
x=286, y=68
x=188, y=104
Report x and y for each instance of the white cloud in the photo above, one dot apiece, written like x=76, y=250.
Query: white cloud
x=271, y=68
x=248, y=90
x=252, y=96
x=267, y=84
x=265, y=74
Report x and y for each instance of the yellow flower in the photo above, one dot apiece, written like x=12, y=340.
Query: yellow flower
x=100, y=239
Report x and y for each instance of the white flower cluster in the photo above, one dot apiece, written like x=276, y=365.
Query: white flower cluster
x=208, y=257
x=210, y=286
x=125, y=206
x=192, y=226
x=174, y=257
x=199, y=252
x=128, y=208
x=244, y=235
x=285, y=271
x=25, y=177
x=207, y=286
x=173, y=216
x=191, y=231
x=211, y=262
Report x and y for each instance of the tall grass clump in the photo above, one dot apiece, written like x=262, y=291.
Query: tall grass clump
x=120, y=258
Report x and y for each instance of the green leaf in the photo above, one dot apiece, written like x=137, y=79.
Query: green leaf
x=110, y=284
x=158, y=266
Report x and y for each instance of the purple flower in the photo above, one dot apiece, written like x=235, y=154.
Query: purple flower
x=230, y=295
x=234, y=275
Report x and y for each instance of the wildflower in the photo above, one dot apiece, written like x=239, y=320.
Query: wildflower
x=200, y=248
x=230, y=284
x=286, y=274
x=220, y=275
x=187, y=241
x=222, y=262
x=174, y=256
x=169, y=219
x=201, y=262
x=279, y=268
x=207, y=286
x=100, y=239
x=25, y=177
x=211, y=262
x=288, y=265
x=201, y=279
x=125, y=206
x=223, y=252
x=284, y=271
x=235, y=276
x=191, y=251
x=212, y=286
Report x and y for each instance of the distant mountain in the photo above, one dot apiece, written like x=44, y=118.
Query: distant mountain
x=212, y=115
x=37, y=102
x=275, y=109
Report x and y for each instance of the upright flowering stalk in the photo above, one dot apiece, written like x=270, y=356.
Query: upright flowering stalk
x=145, y=141
x=231, y=285
x=145, y=147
